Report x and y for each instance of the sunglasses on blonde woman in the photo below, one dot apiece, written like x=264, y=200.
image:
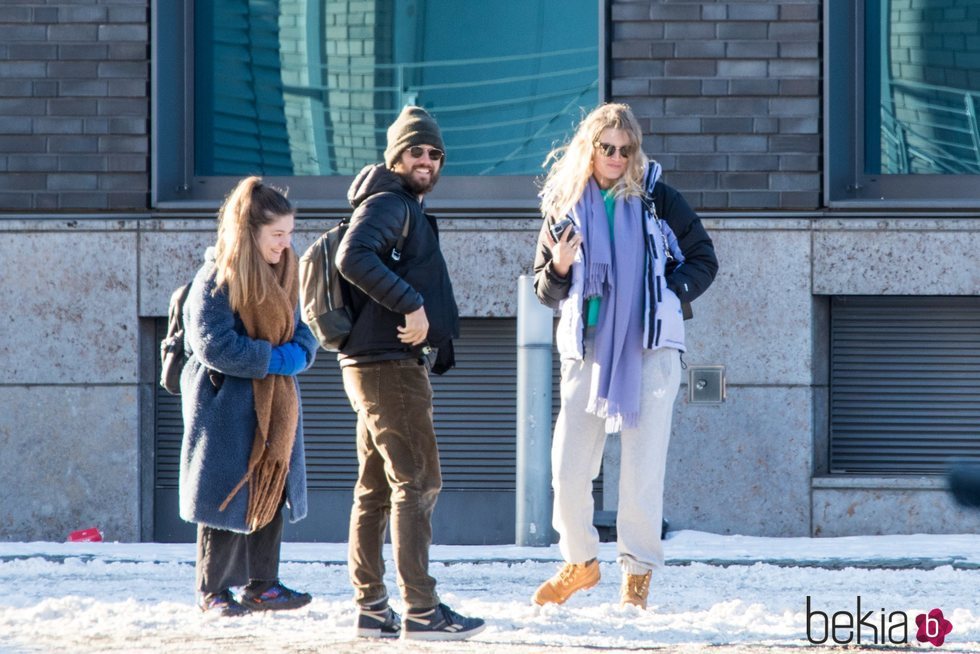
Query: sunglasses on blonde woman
x=609, y=150
x=434, y=153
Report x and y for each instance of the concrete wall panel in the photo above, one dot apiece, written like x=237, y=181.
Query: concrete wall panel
x=484, y=264
x=755, y=318
x=70, y=461
x=742, y=467
x=68, y=307
x=168, y=259
x=897, y=258
x=863, y=511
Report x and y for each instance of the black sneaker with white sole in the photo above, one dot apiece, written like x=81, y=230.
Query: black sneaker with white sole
x=378, y=621
x=440, y=623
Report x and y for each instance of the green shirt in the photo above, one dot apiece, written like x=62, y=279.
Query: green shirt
x=592, y=304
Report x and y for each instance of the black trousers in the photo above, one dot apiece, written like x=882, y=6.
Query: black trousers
x=228, y=558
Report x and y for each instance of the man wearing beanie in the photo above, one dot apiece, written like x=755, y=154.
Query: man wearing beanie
x=405, y=320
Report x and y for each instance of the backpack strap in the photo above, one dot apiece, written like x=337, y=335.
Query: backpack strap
x=396, y=253
x=177, y=315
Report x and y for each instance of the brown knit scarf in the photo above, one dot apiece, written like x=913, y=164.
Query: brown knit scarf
x=276, y=403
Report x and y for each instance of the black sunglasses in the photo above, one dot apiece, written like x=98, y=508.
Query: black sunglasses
x=434, y=153
x=609, y=150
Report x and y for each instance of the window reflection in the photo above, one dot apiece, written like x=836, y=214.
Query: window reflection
x=923, y=86
x=308, y=87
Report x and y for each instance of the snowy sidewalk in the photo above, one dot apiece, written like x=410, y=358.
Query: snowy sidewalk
x=723, y=593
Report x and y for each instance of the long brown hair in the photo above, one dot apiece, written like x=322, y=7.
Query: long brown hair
x=241, y=268
x=572, y=162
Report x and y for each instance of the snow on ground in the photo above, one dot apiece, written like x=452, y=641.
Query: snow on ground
x=726, y=594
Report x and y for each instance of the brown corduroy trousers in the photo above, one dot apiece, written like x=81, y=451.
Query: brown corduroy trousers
x=398, y=474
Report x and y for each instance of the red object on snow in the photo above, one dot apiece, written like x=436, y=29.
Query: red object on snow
x=91, y=535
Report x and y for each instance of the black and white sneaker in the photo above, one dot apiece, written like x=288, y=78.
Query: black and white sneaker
x=440, y=623
x=378, y=621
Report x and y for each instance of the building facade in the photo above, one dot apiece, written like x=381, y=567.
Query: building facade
x=831, y=148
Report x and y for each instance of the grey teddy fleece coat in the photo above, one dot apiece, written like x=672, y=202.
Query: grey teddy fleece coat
x=219, y=423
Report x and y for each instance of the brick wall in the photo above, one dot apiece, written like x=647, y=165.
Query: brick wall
x=729, y=97
x=74, y=129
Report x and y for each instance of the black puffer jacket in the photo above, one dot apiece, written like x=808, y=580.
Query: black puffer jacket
x=385, y=290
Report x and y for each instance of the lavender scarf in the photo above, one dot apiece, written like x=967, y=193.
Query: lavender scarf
x=616, y=275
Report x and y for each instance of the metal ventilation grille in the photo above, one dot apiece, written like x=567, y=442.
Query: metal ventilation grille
x=475, y=416
x=475, y=408
x=905, y=383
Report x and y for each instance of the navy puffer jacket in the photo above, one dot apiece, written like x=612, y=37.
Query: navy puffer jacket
x=385, y=290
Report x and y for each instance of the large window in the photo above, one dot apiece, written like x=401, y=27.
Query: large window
x=902, y=102
x=304, y=89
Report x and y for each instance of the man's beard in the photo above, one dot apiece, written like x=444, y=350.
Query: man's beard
x=418, y=187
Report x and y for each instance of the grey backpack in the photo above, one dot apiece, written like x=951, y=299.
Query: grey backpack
x=324, y=293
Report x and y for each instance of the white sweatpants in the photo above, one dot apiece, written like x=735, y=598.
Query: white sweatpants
x=576, y=456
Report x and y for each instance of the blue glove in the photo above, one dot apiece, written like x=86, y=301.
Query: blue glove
x=287, y=359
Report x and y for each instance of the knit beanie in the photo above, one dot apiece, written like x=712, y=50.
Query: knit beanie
x=414, y=126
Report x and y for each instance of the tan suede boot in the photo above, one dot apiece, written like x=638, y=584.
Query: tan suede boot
x=572, y=578
x=635, y=590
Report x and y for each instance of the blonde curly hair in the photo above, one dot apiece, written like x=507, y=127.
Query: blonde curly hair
x=572, y=163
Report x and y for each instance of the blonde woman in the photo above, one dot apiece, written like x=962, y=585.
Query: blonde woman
x=241, y=459
x=618, y=253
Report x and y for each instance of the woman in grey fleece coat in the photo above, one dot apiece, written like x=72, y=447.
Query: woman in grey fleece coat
x=231, y=299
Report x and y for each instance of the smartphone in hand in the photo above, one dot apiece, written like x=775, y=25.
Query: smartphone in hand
x=558, y=228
